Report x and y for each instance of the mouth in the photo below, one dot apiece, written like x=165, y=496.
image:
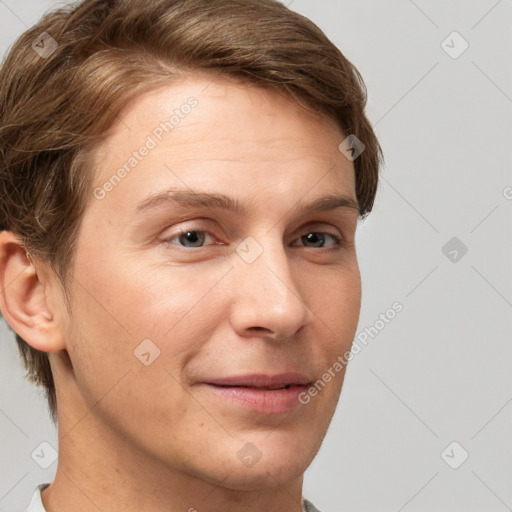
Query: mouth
x=260, y=393
x=286, y=386
x=263, y=381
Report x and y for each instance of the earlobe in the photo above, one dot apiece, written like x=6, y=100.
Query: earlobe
x=23, y=297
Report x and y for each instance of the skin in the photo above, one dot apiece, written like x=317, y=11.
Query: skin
x=135, y=437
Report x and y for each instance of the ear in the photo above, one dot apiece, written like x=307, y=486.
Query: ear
x=23, y=298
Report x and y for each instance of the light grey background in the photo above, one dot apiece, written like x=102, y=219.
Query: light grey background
x=440, y=370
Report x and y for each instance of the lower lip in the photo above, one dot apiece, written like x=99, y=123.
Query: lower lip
x=263, y=401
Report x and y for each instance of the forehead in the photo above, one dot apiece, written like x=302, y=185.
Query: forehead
x=218, y=133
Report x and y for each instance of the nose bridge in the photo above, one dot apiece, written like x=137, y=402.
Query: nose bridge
x=268, y=296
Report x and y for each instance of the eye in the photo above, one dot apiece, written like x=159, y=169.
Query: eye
x=190, y=238
x=317, y=238
x=194, y=238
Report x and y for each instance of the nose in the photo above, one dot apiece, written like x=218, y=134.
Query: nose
x=267, y=298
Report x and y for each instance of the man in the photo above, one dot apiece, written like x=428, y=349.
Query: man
x=180, y=195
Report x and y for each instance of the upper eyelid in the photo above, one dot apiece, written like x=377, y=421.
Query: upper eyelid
x=329, y=217
x=204, y=225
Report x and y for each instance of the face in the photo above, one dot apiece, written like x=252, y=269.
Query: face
x=203, y=278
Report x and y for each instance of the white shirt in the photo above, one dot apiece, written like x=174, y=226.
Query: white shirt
x=36, y=505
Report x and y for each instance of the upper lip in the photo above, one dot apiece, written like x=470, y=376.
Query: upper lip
x=260, y=380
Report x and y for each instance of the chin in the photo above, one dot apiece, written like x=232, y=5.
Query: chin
x=279, y=460
x=261, y=476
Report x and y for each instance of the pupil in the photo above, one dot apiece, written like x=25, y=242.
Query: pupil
x=311, y=236
x=191, y=237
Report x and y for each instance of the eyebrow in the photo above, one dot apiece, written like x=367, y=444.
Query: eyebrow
x=214, y=200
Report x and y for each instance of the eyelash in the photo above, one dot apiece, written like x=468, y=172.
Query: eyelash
x=339, y=242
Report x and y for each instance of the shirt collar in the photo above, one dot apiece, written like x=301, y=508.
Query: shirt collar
x=36, y=505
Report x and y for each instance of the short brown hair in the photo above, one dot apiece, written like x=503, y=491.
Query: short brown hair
x=56, y=107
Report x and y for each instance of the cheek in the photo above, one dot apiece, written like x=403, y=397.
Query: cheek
x=116, y=322
x=337, y=303
x=175, y=305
